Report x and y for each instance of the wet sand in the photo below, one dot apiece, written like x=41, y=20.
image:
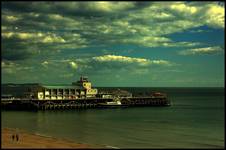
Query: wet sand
x=30, y=140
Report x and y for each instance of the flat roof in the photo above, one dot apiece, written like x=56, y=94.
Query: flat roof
x=61, y=86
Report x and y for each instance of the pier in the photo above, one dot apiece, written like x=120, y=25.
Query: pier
x=87, y=103
x=78, y=95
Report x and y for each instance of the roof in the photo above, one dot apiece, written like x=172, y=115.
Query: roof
x=19, y=85
x=61, y=87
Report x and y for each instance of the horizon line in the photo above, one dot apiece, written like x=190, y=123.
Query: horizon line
x=129, y=86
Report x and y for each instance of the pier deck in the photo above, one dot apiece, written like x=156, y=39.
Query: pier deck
x=82, y=103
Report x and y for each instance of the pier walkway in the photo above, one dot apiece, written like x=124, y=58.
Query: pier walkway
x=82, y=103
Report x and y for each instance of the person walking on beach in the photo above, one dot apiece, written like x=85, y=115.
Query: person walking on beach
x=13, y=136
x=17, y=137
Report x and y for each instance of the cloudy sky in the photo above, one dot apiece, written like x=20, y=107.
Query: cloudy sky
x=154, y=44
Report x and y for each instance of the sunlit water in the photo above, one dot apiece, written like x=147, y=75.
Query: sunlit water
x=195, y=120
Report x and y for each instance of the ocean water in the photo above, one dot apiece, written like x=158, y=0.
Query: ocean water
x=194, y=120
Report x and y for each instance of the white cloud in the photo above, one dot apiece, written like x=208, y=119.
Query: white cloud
x=8, y=64
x=215, y=16
x=200, y=51
x=32, y=14
x=109, y=6
x=35, y=37
x=124, y=59
x=183, y=8
x=4, y=28
x=154, y=41
x=130, y=60
x=102, y=6
x=45, y=64
x=11, y=18
x=56, y=17
x=53, y=39
x=73, y=65
x=160, y=62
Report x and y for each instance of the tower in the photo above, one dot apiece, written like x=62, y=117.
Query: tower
x=83, y=82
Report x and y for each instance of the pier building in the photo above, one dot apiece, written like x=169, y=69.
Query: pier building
x=80, y=89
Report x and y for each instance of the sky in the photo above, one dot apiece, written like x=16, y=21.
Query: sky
x=114, y=44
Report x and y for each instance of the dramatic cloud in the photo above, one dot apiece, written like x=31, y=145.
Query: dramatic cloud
x=202, y=51
x=85, y=24
x=64, y=39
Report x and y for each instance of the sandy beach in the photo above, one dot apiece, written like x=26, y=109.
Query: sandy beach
x=30, y=140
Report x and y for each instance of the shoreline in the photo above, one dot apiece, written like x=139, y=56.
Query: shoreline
x=35, y=140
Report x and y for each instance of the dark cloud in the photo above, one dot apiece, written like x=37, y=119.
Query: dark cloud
x=23, y=6
x=81, y=9
x=15, y=49
x=16, y=55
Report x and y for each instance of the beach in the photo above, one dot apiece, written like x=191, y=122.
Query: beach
x=30, y=140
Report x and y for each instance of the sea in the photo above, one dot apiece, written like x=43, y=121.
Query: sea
x=195, y=119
